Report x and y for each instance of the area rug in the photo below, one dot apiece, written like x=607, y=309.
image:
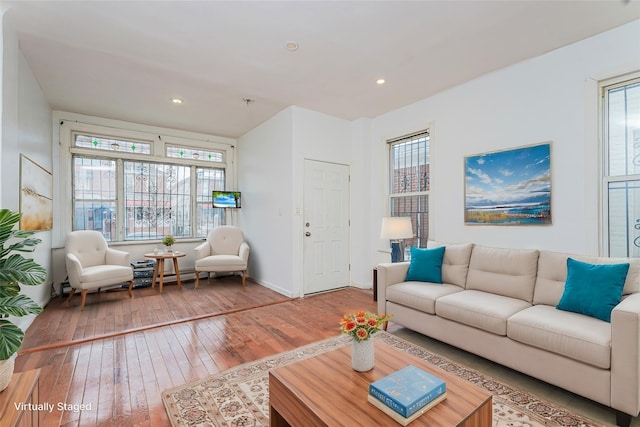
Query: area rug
x=240, y=396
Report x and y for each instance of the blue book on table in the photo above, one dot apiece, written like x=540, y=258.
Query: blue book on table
x=407, y=390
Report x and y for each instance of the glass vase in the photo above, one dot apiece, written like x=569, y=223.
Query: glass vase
x=362, y=356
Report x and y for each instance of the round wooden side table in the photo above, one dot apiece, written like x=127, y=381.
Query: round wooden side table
x=160, y=257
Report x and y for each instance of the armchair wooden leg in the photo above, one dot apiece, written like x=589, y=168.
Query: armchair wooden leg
x=131, y=289
x=197, y=279
x=83, y=293
x=71, y=293
x=244, y=278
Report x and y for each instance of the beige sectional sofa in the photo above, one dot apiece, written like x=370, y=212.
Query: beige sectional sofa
x=501, y=304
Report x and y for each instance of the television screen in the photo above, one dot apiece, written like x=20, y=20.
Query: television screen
x=226, y=199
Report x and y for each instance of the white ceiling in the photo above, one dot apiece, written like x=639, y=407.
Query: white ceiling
x=125, y=60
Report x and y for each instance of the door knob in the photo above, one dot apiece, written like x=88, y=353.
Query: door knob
x=307, y=234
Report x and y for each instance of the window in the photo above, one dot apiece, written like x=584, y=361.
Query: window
x=621, y=166
x=156, y=200
x=111, y=144
x=409, y=187
x=131, y=189
x=94, y=200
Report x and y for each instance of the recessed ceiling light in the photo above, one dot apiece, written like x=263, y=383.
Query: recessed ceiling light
x=176, y=100
x=381, y=81
x=291, y=46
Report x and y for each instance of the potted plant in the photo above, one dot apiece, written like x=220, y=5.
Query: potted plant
x=15, y=270
x=361, y=326
x=168, y=241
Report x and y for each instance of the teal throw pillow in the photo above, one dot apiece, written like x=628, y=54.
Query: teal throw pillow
x=593, y=289
x=426, y=265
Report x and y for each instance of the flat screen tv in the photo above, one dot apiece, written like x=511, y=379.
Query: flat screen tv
x=226, y=199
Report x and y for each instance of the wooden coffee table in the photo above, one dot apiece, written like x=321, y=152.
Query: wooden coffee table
x=325, y=391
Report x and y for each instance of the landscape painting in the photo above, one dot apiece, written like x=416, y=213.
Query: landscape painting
x=511, y=187
x=36, y=196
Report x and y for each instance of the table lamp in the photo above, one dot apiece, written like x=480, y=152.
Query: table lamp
x=396, y=228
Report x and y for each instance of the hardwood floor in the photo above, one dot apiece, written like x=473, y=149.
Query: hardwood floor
x=113, y=313
x=119, y=354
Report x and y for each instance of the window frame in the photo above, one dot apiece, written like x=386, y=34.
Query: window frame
x=606, y=179
x=69, y=129
x=428, y=133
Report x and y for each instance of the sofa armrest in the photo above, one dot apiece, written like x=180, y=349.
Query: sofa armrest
x=116, y=257
x=625, y=355
x=202, y=250
x=389, y=274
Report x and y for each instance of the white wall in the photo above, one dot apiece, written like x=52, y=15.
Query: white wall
x=362, y=220
x=549, y=98
x=270, y=176
x=26, y=129
x=265, y=179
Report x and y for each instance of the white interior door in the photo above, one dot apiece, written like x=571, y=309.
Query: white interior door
x=325, y=226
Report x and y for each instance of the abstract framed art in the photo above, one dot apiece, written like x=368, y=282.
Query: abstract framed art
x=509, y=187
x=36, y=196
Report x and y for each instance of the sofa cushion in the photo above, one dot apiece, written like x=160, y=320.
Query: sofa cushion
x=593, y=289
x=507, y=272
x=481, y=310
x=419, y=295
x=426, y=265
x=455, y=263
x=552, y=275
x=573, y=335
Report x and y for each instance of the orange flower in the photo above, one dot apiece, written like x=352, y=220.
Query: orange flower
x=349, y=326
x=362, y=324
x=362, y=334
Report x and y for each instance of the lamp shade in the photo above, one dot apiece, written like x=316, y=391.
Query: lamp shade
x=396, y=227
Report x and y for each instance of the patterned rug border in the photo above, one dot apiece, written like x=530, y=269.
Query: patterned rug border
x=506, y=398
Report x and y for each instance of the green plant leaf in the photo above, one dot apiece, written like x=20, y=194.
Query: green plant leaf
x=19, y=305
x=14, y=271
x=9, y=289
x=27, y=245
x=17, y=268
x=10, y=339
x=7, y=220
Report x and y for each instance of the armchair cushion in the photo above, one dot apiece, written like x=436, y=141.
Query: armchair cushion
x=221, y=263
x=100, y=276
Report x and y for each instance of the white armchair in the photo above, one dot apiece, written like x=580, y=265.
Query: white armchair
x=224, y=251
x=91, y=264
